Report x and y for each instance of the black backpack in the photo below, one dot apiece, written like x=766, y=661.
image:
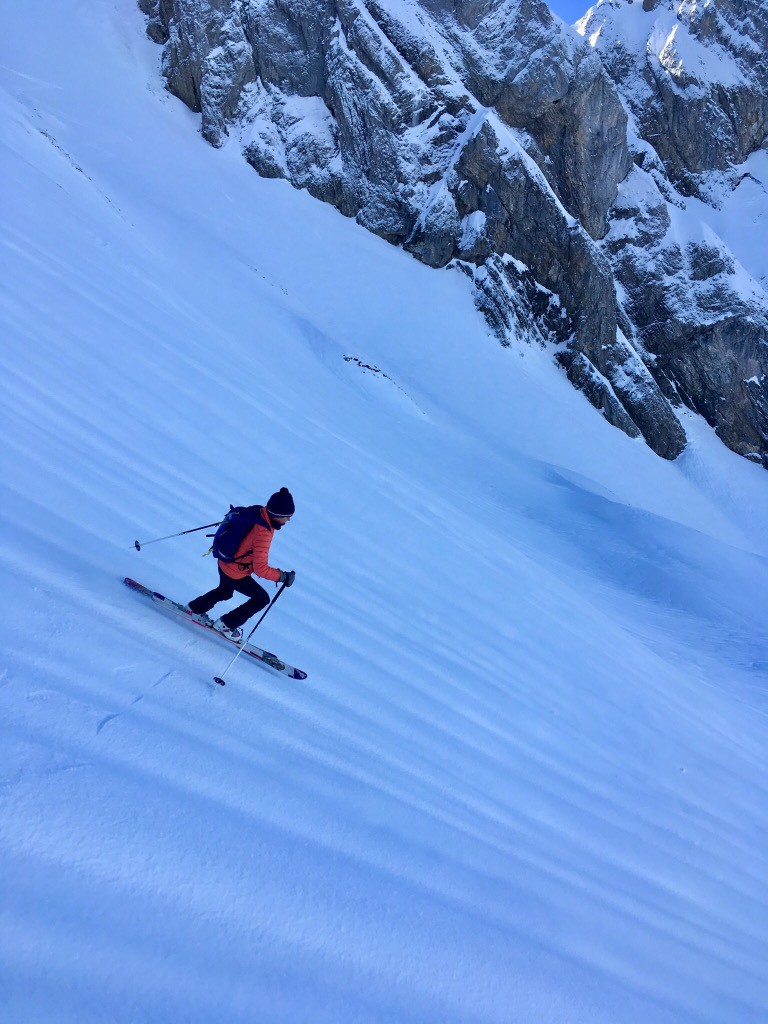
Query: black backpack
x=232, y=530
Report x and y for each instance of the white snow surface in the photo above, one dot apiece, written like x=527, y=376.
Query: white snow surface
x=663, y=37
x=739, y=212
x=525, y=780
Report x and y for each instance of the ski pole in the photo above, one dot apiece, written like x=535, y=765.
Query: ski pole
x=220, y=679
x=138, y=544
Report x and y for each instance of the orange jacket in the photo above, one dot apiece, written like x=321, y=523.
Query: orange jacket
x=253, y=553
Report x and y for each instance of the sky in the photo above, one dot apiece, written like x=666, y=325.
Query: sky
x=525, y=777
x=569, y=10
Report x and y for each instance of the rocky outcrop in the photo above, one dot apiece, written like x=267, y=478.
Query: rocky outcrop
x=701, y=321
x=695, y=78
x=477, y=134
x=694, y=75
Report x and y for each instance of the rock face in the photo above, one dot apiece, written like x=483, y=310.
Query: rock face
x=486, y=136
x=699, y=318
x=695, y=77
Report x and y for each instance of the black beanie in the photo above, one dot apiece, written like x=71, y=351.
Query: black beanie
x=281, y=503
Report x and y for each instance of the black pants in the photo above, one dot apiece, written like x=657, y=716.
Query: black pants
x=247, y=585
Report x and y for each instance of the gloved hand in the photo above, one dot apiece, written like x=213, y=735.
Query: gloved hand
x=287, y=577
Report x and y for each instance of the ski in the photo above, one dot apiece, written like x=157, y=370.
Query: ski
x=265, y=657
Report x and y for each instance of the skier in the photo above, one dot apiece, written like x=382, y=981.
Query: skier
x=251, y=557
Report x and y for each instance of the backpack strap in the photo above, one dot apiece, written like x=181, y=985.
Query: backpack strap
x=258, y=522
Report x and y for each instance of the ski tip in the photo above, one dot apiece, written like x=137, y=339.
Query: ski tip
x=298, y=674
x=219, y=680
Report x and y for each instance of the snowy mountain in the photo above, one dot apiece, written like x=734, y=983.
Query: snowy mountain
x=694, y=79
x=489, y=136
x=525, y=778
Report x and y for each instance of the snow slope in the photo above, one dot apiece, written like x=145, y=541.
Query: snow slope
x=740, y=216
x=525, y=780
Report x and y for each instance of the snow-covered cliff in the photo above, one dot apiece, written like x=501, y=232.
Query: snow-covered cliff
x=487, y=136
x=694, y=79
x=694, y=74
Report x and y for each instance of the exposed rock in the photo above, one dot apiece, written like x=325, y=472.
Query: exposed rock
x=695, y=76
x=156, y=29
x=510, y=56
x=587, y=378
x=700, y=319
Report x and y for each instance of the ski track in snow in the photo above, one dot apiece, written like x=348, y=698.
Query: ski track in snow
x=525, y=779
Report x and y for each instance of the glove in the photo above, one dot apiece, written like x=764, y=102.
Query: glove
x=287, y=578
